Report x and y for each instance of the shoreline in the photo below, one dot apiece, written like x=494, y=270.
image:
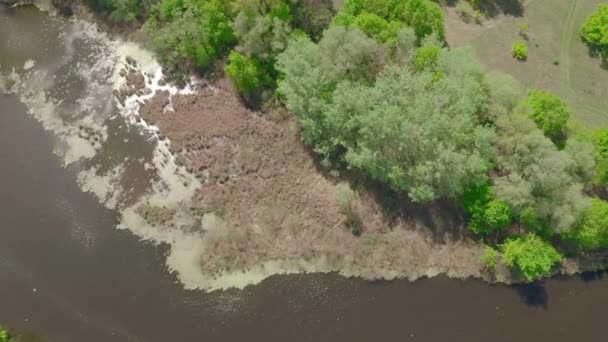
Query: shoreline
x=246, y=199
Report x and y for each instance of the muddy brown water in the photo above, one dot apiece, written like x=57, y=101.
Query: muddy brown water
x=67, y=274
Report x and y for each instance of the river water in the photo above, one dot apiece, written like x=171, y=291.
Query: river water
x=68, y=274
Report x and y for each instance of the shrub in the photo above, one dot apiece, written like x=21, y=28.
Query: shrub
x=490, y=257
x=523, y=30
x=600, y=147
x=426, y=56
x=595, y=30
x=530, y=255
x=465, y=10
x=519, y=51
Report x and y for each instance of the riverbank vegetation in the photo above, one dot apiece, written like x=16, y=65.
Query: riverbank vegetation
x=5, y=336
x=377, y=93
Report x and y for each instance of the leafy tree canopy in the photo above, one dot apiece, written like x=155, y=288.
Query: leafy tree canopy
x=532, y=256
x=550, y=114
x=591, y=231
x=595, y=30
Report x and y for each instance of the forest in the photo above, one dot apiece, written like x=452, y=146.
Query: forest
x=376, y=90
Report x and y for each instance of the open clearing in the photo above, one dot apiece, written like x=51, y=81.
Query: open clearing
x=558, y=60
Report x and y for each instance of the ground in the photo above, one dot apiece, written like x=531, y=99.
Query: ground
x=558, y=60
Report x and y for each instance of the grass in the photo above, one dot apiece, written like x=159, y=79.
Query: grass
x=553, y=36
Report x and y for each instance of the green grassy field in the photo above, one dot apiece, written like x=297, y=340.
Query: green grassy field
x=553, y=35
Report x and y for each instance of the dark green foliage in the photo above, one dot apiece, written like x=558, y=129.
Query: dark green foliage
x=591, y=231
x=533, y=257
x=190, y=33
x=382, y=19
x=486, y=215
x=595, y=30
x=120, y=10
x=246, y=73
x=550, y=114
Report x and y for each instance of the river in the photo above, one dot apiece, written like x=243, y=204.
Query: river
x=68, y=274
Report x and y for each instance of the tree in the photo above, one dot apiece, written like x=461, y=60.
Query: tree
x=550, y=114
x=4, y=336
x=189, y=33
x=532, y=256
x=245, y=73
x=595, y=30
x=384, y=18
x=535, y=175
x=591, y=231
x=486, y=215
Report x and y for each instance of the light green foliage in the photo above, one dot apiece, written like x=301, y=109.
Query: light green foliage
x=583, y=167
x=550, y=114
x=595, y=30
x=536, y=175
x=486, y=215
x=426, y=56
x=411, y=130
x=523, y=30
x=4, y=336
x=382, y=19
x=533, y=257
x=591, y=231
x=189, y=33
x=519, y=51
x=490, y=257
x=505, y=93
x=245, y=73
x=347, y=53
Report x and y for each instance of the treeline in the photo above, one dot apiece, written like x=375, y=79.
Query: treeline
x=375, y=89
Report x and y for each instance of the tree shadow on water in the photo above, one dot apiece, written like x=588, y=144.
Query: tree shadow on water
x=588, y=277
x=533, y=294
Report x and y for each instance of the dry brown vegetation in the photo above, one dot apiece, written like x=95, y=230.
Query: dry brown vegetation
x=264, y=197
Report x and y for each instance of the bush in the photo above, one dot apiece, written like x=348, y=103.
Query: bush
x=530, y=255
x=519, y=51
x=600, y=147
x=490, y=257
x=550, y=114
x=595, y=30
x=523, y=30
x=465, y=10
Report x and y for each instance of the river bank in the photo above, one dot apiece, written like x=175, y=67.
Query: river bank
x=234, y=193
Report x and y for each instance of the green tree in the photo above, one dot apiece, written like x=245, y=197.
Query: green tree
x=189, y=33
x=591, y=231
x=486, y=215
x=550, y=114
x=595, y=30
x=245, y=73
x=535, y=174
x=426, y=56
x=533, y=257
